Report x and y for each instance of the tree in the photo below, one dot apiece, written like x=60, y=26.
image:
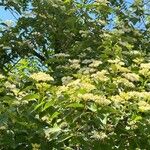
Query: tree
x=76, y=28
x=76, y=75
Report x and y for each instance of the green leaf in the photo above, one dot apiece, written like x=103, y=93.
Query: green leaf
x=92, y=107
x=31, y=97
x=48, y=104
x=76, y=105
x=55, y=115
x=9, y=99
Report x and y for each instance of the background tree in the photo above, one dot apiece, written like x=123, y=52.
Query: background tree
x=74, y=28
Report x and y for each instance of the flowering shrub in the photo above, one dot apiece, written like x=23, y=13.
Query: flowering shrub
x=106, y=108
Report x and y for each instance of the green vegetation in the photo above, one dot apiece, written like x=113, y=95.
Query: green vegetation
x=75, y=75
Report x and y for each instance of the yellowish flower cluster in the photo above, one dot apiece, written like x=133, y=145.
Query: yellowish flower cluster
x=145, y=66
x=144, y=106
x=116, y=61
x=75, y=63
x=134, y=95
x=138, y=60
x=101, y=100
x=136, y=53
x=145, y=69
x=61, y=55
x=87, y=61
x=73, y=86
x=41, y=76
x=145, y=72
x=74, y=83
x=1, y=76
x=100, y=75
x=122, y=69
x=99, y=135
x=80, y=84
x=125, y=96
x=131, y=76
x=42, y=86
x=117, y=99
x=124, y=82
x=9, y=85
x=102, y=2
x=61, y=89
x=95, y=63
x=139, y=95
x=66, y=80
x=87, y=70
x=89, y=87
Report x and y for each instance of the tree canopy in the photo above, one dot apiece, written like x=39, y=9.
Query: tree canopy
x=76, y=28
x=75, y=74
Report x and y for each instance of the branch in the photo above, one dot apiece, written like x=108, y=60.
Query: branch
x=38, y=55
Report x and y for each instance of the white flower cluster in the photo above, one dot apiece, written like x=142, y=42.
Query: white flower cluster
x=124, y=81
x=145, y=66
x=117, y=99
x=139, y=95
x=131, y=76
x=95, y=63
x=87, y=61
x=98, y=135
x=134, y=95
x=66, y=80
x=100, y=75
x=145, y=72
x=144, y=106
x=76, y=84
x=41, y=76
x=138, y=60
x=86, y=70
x=116, y=61
x=101, y=100
x=145, y=69
x=61, y=55
x=75, y=63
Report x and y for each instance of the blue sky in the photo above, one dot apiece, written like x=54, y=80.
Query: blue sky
x=6, y=15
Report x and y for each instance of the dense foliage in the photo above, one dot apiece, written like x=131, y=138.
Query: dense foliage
x=75, y=75
x=105, y=105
